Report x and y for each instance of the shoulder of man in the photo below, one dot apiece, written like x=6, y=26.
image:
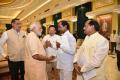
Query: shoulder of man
x=101, y=38
x=45, y=37
x=8, y=30
x=22, y=31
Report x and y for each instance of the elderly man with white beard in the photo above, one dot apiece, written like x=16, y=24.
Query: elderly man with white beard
x=35, y=56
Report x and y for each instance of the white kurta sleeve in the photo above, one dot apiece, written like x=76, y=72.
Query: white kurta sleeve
x=57, y=39
x=33, y=45
x=44, y=39
x=101, y=52
x=3, y=40
x=68, y=45
x=77, y=55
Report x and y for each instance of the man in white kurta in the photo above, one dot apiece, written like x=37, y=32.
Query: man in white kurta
x=66, y=50
x=51, y=50
x=90, y=58
x=35, y=56
x=113, y=40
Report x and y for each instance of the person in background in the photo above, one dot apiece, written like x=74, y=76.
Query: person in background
x=14, y=39
x=28, y=30
x=49, y=42
x=35, y=56
x=76, y=35
x=89, y=61
x=113, y=39
x=66, y=51
x=118, y=52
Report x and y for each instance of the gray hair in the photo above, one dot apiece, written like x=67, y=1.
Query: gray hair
x=34, y=25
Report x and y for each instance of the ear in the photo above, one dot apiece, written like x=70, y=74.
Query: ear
x=93, y=27
x=12, y=24
x=55, y=31
x=65, y=26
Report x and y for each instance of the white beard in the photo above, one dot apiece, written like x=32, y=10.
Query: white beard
x=39, y=33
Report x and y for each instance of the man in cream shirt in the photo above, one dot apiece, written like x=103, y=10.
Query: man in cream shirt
x=14, y=39
x=49, y=42
x=35, y=55
x=113, y=40
x=90, y=58
x=66, y=51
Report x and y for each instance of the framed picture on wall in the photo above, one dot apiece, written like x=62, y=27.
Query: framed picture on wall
x=105, y=22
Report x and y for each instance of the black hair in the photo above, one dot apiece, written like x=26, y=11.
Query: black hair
x=13, y=20
x=95, y=24
x=65, y=23
x=51, y=26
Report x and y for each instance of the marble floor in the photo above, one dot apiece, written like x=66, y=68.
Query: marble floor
x=111, y=70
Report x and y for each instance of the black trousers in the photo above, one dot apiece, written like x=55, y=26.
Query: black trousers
x=16, y=70
x=118, y=59
x=113, y=46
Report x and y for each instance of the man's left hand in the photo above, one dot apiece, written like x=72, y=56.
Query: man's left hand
x=58, y=44
x=77, y=68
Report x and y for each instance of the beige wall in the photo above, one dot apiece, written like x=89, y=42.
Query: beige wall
x=48, y=22
x=107, y=6
x=2, y=27
x=103, y=5
x=66, y=15
x=115, y=21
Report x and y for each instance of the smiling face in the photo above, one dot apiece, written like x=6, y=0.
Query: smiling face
x=52, y=31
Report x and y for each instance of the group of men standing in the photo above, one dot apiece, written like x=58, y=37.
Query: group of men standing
x=57, y=52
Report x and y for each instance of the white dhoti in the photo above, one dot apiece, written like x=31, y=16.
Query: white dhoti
x=80, y=77
x=65, y=75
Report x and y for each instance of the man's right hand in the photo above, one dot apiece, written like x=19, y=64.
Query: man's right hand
x=48, y=44
x=51, y=58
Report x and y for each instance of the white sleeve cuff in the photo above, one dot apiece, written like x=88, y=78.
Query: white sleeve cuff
x=34, y=53
x=83, y=69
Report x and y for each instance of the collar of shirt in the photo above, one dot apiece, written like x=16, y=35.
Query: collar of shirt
x=52, y=35
x=92, y=36
x=67, y=32
x=16, y=31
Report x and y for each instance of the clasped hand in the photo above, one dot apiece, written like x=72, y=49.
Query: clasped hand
x=77, y=69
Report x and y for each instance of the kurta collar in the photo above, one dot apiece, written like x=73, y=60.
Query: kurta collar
x=16, y=31
x=51, y=36
x=93, y=35
x=67, y=32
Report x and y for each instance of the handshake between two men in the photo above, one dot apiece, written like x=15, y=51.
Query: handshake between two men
x=46, y=58
x=48, y=44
